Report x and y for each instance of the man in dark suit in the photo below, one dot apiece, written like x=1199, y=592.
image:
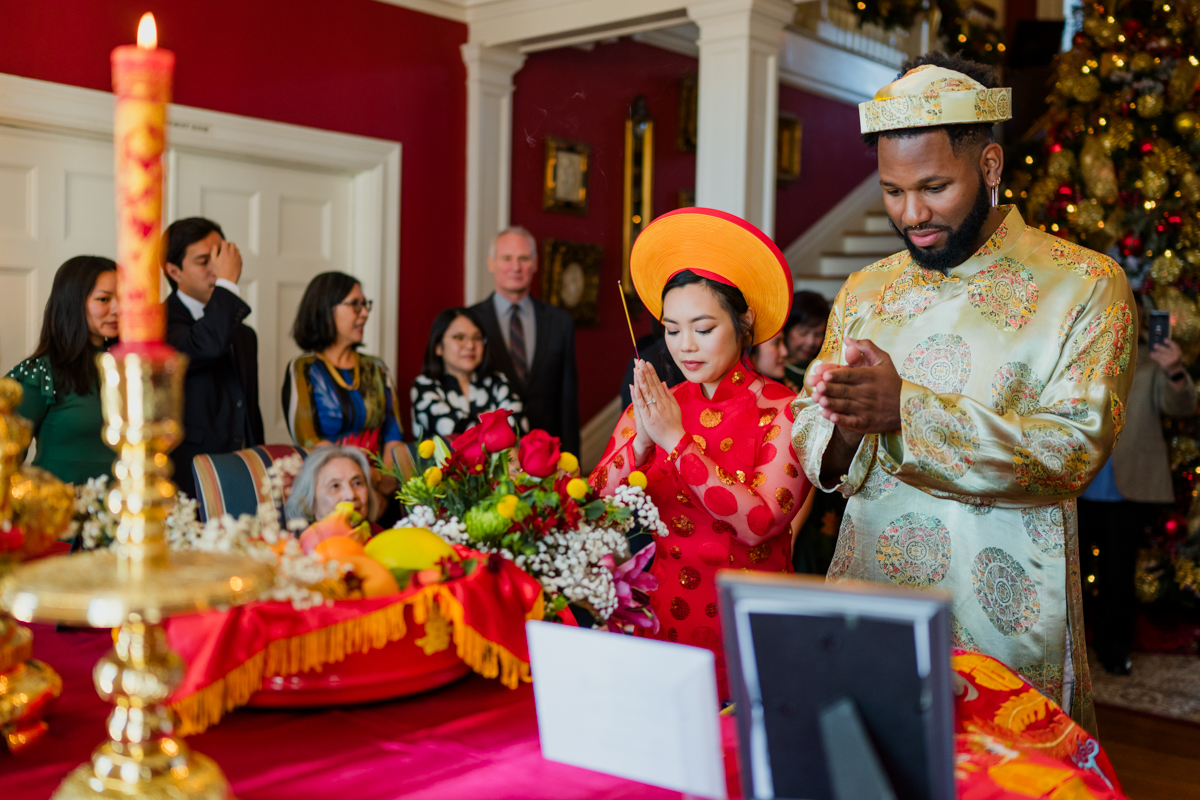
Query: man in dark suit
x=538, y=356
x=204, y=322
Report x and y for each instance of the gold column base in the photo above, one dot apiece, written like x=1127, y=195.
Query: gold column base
x=27, y=687
x=199, y=779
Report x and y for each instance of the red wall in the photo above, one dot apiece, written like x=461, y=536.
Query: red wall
x=354, y=66
x=833, y=161
x=585, y=95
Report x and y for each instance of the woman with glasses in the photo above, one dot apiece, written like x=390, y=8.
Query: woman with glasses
x=332, y=394
x=458, y=383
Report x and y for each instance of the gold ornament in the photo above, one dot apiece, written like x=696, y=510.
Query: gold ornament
x=1099, y=174
x=1166, y=268
x=1187, y=124
x=1149, y=106
x=1041, y=193
x=1192, y=257
x=1154, y=183
x=1119, y=135
x=1110, y=63
x=1085, y=88
x=1189, y=186
x=1088, y=215
x=1142, y=62
x=1061, y=163
x=1104, y=30
x=1181, y=86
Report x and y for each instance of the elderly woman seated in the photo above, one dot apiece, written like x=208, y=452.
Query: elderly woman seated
x=331, y=474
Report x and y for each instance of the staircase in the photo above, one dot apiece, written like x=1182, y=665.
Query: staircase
x=870, y=239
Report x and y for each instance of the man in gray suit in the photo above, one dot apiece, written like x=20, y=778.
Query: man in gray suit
x=538, y=356
x=1129, y=495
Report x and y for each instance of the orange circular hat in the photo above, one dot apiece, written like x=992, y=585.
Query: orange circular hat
x=718, y=246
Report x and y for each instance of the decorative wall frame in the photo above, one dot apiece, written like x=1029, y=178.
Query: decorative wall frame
x=639, y=182
x=571, y=278
x=787, y=149
x=564, y=186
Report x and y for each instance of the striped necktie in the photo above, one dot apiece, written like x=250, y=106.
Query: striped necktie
x=516, y=344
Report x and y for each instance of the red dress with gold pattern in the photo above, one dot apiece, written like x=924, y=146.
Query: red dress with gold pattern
x=728, y=493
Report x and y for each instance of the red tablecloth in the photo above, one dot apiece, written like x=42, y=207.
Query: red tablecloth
x=473, y=739
x=477, y=739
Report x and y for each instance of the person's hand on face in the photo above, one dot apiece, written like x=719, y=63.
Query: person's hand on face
x=197, y=275
x=656, y=413
x=1168, y=355
x=227, y=261
x=103, y=314
x=864, y=395
x=350, y=316
x=340, y=481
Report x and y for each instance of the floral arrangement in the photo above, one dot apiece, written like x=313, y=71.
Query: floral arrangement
x=525, y=501
x=301, y=578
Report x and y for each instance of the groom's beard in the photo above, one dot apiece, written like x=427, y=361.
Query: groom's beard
x=960, y=241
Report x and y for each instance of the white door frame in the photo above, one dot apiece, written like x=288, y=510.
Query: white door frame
x=373, y=164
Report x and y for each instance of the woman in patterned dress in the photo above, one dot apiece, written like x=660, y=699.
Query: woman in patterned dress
x=724, y=479
x=458, y=382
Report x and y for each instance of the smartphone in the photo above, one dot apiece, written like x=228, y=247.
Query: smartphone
x=1160, y=327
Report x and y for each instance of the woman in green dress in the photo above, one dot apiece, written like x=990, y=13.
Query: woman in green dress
x=61, y=380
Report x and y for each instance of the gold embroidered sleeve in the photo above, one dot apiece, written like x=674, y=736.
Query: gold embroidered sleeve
x=1034, y=441
x=811, y=432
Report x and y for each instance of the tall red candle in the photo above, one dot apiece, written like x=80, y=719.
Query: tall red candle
x=142, y=82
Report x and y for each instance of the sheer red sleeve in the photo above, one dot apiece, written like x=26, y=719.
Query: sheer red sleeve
x=758, y=503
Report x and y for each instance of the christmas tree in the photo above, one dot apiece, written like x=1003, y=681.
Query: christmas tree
x=1113, y=165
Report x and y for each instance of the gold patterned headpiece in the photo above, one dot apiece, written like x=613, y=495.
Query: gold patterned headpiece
x=930, y=95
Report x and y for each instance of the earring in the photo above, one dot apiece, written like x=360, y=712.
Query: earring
x=995, y=190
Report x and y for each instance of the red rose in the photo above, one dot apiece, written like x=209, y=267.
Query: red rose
x=495, y=431
x=539, y=453
x=469, y=448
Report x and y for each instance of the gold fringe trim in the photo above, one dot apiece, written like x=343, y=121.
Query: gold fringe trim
x=313, y=650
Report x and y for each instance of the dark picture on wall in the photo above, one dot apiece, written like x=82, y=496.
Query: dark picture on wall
x=566, y=175
x=571, y=278
x=787, y=149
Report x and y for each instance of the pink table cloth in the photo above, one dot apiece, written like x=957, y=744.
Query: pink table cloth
x=472, y=739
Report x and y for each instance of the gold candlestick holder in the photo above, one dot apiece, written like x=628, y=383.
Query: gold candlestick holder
x=135, y=586
x=35, y=507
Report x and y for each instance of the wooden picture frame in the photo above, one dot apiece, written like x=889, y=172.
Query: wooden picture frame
x=571, y=279
x=787, y=149
x=564, y=185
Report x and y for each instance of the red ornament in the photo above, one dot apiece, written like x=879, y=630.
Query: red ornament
x=1054, y=148
x=1146, y=146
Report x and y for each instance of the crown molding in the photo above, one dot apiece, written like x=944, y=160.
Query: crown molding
x=446, y=9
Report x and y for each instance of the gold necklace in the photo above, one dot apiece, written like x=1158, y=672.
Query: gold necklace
x=337, y=373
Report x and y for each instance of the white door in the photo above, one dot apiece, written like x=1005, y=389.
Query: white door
x=56, y=202
x=290, y=225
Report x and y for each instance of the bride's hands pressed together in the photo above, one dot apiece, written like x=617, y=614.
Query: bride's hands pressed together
x=656, y=413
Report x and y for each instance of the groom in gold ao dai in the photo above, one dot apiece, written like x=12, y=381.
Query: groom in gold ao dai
x=970, y=387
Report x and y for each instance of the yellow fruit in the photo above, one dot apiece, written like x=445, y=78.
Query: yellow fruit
x=568, y=463
x=577, y=488
x=425, y=449
x=376, y=578
x=409, y=548
x=637, y=478
x=337, y=546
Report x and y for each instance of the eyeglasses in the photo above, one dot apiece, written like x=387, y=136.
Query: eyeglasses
x=359, y=305
x=461, y=339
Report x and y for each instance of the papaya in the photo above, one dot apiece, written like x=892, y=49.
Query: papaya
x=412, y=549
x=342, y=521
x=376, y=579
x=337, y=546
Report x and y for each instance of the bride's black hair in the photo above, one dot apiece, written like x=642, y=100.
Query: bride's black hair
x=730, y=298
